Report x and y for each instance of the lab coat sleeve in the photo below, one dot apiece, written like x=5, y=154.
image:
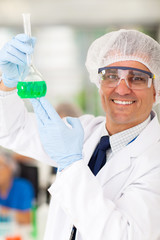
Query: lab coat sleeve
x=134, y=215
x=18, y=129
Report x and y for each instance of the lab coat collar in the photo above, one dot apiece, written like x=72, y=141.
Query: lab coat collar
x=122, y=159
x=149, y=136
x=105, y=174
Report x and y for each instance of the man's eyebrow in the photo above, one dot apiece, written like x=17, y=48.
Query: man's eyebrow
x=132, y=71
x=111, y=70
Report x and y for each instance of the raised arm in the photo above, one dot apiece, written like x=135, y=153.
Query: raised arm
x=18, y=128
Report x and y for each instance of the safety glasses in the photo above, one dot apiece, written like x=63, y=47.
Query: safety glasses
x=135, y=78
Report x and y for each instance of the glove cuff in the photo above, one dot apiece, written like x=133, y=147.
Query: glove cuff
x=69, y=160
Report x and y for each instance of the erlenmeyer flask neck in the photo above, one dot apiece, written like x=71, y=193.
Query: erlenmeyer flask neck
x=33, y=75
x=33, y=85
x=27, y=31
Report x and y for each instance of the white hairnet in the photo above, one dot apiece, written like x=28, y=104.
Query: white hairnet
x=123, y=45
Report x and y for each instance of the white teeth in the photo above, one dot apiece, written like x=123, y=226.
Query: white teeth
x=123, y=102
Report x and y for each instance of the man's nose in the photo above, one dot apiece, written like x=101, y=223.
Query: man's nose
x=122, y=87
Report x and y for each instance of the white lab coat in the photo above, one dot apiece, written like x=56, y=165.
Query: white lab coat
x=121, y=203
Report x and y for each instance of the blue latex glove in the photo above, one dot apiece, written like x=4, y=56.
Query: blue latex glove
x=13, y=61
x=61, y=142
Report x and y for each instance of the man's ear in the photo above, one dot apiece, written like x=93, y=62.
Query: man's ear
x=154, y=93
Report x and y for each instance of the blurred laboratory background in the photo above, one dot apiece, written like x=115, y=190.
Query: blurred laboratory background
x=64, y=29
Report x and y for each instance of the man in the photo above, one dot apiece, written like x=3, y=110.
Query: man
x=108, y=176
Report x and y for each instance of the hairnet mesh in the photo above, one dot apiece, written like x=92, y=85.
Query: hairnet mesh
x=124, y=45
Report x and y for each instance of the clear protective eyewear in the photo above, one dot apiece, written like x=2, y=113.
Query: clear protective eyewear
x=135, y=78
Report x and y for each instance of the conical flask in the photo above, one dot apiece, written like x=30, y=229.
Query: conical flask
x=33, y=86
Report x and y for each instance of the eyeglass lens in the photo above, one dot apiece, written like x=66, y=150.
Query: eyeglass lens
x=134, y=79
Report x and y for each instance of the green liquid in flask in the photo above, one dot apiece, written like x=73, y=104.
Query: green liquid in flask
x=31, y=89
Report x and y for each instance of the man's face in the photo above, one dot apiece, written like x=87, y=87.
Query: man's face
x=126, y=107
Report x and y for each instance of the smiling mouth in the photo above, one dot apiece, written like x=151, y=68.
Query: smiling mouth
x=123, y=102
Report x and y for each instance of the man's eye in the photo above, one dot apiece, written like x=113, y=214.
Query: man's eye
x=138, y=79
x=110, y=77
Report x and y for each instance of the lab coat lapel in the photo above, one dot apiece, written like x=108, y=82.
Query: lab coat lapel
x=92, y=142
x=149, y=136
x=123, y=159
x=119, y=163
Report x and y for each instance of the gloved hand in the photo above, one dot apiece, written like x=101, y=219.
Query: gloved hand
x=61, y=142
x=13, y=61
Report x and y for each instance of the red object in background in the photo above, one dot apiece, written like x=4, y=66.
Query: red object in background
x=14, y=238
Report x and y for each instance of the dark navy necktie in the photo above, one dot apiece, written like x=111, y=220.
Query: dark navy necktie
x=96, y=162
x=98, y=158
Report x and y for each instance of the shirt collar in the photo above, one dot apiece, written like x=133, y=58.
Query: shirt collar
x=121, y=139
